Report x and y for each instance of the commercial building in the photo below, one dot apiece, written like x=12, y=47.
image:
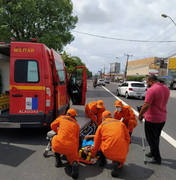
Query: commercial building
x=172, y=67
x=115, y=68
x=144, y=67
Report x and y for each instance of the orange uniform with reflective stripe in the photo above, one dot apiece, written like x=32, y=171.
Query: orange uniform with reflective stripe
x=129, y=118
x=113, y=139
x=67, y=139
x=92, y=111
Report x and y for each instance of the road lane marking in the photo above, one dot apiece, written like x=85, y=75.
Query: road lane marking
x=163, y=134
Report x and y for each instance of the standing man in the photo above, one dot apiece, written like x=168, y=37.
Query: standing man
x=112, y=138
x=94, y=110
x=127, y=113
x=154, y=111
x=67, y=140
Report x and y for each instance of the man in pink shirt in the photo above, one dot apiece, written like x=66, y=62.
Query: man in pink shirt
x=154, y=111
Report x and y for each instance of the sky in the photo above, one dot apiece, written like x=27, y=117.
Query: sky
x=122, y=25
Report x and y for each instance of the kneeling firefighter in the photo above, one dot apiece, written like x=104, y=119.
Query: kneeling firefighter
x=67, y=140
x=113, y=139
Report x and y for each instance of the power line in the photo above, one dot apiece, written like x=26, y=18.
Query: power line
x=155, y=44
x=152, y=37
x=120, y=61
x=118, y=39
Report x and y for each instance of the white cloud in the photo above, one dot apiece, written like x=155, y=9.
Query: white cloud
x=71, y=49
x=129, y=19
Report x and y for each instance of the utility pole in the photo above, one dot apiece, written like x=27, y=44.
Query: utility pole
x=110, y=72
x=127, y=63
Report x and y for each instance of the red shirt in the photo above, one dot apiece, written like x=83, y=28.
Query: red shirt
x=157, y=95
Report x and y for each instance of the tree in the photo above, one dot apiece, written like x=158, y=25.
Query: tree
x=72, y=61
x=50, y=21
x=135, y=78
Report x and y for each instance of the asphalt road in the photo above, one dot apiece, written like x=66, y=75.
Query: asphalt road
x=21, y=150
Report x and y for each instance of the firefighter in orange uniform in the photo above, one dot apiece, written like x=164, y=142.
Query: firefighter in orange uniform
x=67, y=140
x=94, y=109
x=127, y=113
x=113, y=139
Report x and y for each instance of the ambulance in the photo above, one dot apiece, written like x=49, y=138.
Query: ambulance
x=34, y=85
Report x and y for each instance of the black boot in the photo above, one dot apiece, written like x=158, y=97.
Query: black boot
x=58, y=161
x=102, y=160
x=75, y=172
x=114, y=172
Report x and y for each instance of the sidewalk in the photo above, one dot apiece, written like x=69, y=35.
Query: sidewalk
x=173, y=93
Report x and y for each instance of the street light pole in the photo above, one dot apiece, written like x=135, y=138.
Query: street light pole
x=110, y=72
x=165, y=16
x=127, y=63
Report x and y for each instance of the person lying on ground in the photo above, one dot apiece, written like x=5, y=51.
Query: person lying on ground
x=85, y=150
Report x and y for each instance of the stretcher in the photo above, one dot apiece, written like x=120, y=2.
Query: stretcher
x=87, y=159
x=86, y=128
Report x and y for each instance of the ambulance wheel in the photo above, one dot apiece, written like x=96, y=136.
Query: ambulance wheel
x=45, y=153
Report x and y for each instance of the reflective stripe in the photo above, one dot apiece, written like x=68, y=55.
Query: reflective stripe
x=70, y=120
x=29, y=87
x=109, y=122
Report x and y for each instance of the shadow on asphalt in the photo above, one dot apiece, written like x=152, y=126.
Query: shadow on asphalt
x=24, y=136
x=138, y=141
x=128, y=172
x=12, y=155
x=169, y=162
x=85, y=170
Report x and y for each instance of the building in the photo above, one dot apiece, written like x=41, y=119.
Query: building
x=144, y=67
x=115, y=68
x=113, y=76
x=172, y=67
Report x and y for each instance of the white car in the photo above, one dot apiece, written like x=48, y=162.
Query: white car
x=107, y=81
x=100, y=82
x=131, y=89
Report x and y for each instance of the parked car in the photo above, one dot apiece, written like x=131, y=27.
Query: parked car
x=173, y=85
x=100, y=82
x=145, y=83
x=121, y=80
x=107, y=81
x=131, y=89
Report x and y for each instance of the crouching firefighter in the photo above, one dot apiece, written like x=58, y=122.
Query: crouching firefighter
x=67, y=140
x=94, y=110
x=113, y=139
x=127, y=115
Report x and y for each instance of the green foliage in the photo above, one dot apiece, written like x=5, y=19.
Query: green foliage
x=135, y=78
x=50, y=21
x=72, y=61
